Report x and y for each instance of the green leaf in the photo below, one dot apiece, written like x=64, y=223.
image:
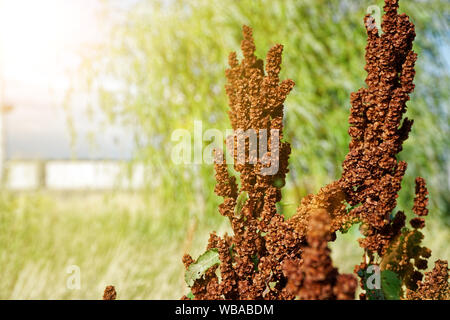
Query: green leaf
x=232, y=252
x=190, y=295
x=197, y=269
x=391, y=285
x=240, y=202
x=279, y=183
x=255, y=261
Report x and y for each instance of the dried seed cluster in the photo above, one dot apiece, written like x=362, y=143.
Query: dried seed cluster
x=313, y=277
x=110, y=293
x=268, y=257
x=436, y=285
x=255, y=261
x=371, y=173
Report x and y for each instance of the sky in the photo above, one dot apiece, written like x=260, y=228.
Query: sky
x=40, y=43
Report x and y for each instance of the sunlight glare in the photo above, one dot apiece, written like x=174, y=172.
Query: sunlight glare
x=39, y=39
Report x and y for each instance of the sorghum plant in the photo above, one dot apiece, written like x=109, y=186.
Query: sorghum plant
x=269, y=257
x=251, y=261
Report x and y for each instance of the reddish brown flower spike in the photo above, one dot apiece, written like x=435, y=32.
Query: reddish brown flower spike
x=271, y=258
x=109, y=293
x=421, y=199
x=435, y=286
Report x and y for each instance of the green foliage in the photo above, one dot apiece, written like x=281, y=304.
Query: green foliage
x=232, y=251
x=391, y=285
x=255, y=260
x=240, y=202
x=197, y=269
x=406, y=255
x=167, y=62
x=190, y=295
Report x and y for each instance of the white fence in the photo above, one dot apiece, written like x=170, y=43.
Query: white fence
x=74, y=175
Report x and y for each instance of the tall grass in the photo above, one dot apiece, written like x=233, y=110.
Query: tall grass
x=123, y=239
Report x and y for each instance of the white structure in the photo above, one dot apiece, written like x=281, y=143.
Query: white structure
x=74, y=175
x=22, y=175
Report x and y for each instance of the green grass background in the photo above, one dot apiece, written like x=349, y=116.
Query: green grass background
x=167, y=61
x=123, y=239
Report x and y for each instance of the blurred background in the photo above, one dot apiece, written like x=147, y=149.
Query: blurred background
x=92, y=90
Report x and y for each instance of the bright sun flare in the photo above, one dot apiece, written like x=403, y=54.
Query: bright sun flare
x=39, y=39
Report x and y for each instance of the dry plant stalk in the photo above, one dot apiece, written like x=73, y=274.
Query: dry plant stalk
x=252, y=260
x=268, y=257
x=436, y=285
x=110, y=293
x=313, y=277
x=371, y=173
